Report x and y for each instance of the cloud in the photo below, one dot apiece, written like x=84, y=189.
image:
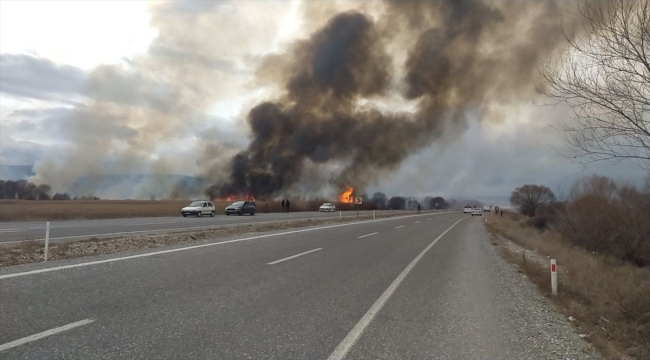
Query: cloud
x=483, y=162
x=39, y=78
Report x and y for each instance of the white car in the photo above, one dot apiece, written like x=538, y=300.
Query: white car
x=467, y=209
x=477, y=211
x=328, y=207
x=199, y=208
x=486, y=209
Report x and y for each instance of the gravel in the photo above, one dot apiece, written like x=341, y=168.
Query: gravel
x=565, y=341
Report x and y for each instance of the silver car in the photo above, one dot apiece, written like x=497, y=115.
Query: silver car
x=199, y=208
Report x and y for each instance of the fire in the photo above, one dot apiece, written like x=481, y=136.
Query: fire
x=346, y=197
x=227, y=198
x=233, y=197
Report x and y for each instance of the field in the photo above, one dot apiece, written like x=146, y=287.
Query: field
x=606, y=297
x=26, y=210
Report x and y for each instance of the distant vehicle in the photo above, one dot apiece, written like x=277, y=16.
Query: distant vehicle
x=327, y=207
x=467, y=209
x=241, y=208
x=486, y=208
x=199, y=208
x=477, y=211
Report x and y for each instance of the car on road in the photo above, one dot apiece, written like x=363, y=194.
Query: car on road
x=477, y=211
x=327, y=207
x=241, y=208
x=467, y=209
x=199, y=208
x=486, y=208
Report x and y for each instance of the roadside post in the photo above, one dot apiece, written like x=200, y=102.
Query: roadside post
x=358, y=201
x=374, y=216
x=553, y=277
x=47, y=238
x=340, y=214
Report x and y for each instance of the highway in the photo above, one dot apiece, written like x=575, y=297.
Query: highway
x=72, y=230
x=428, y=286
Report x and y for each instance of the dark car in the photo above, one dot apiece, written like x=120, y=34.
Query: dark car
x=241, y=208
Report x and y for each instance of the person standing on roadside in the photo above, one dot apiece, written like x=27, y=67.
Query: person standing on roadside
x=282, y=205
x=288, y=206
x=418, y=208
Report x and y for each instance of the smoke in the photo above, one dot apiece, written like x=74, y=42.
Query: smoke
x=147, y=115
x=371, y=84
x=463, y=59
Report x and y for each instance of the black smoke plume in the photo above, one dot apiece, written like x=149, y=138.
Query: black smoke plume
x=464, y=58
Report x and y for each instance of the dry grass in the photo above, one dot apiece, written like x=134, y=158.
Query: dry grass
x=610, y=299
x=26, y=210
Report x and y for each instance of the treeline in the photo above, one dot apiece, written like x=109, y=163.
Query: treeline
x=26, y=190
x=599, y=214
x=382, y=202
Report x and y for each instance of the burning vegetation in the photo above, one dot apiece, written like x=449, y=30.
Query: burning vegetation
x=347, y=197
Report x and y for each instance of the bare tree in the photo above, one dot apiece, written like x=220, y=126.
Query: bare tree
x=604, y=76
x=530, y=197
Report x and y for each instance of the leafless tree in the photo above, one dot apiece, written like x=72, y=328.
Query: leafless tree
x=530, y=197
x=604, y=76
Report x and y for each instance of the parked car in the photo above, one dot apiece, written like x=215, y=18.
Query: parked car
x=199, y=208
x=327, y=207
x=241, y=208
x=477, y=211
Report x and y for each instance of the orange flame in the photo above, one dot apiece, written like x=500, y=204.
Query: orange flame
x=346, y=197
x=233, y=197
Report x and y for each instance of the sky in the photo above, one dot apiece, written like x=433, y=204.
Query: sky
x=132, y=87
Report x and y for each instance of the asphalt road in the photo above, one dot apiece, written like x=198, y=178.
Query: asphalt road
x=12, y=232
x=416, y=287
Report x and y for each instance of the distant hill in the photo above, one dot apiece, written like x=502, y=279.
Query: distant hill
x=140, y=186
x=16, y=172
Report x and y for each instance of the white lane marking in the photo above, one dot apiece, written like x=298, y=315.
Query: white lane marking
x=63, y=267
x=141, y=231
x=352, y=337
x=10, y=230
x=152, y=223
x=417, y=222
x=43, y=334
x=366, y=235
x=294, y=256
x=399, y=227
x=429, y=218
x=153, y=231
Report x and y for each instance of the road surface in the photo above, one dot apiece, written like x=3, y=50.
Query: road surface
x=72, y=230
x=414, y=287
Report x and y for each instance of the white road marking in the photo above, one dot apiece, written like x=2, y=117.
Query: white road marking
x=10, y=230
x=154, y=253
x=43, y=334
x=352, y=337
x=417, y=222
x=154, y=231
x=152, y=223
x=429, y=218
x=294, y=256
x=204, y=227
x=399, y=227
x=366, y=235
